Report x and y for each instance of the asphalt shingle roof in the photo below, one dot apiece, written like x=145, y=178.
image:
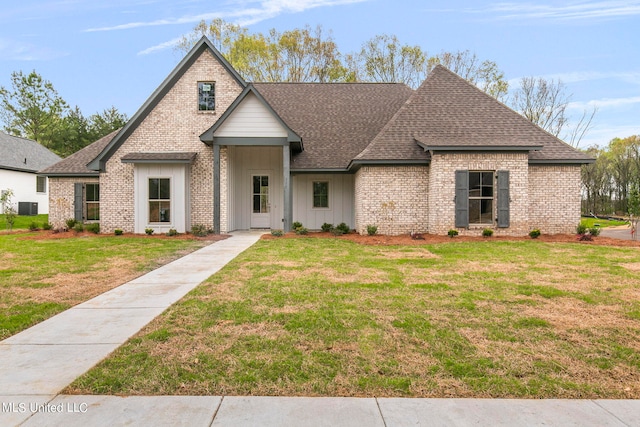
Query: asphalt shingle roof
x=448, y=111
x=23, y=154
x=76, y=164
x=336, y=121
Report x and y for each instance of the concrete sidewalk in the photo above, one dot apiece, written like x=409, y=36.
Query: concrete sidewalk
x=205, y=411
x=36, y=364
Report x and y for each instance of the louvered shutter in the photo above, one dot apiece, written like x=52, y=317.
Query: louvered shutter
x=462, y=199
x=77, y=201
x=503, y=199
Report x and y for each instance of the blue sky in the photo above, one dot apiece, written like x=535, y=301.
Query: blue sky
x=116, y=52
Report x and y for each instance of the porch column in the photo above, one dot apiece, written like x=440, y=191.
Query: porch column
x=286, y=181
x=216, y=189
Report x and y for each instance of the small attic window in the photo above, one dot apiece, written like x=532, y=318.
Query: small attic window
x=206, y=96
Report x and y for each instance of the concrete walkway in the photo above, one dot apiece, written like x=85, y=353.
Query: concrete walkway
x=36, y=364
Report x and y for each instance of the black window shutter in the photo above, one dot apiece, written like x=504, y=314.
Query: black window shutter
x=462, y=199
x=77, y=201
x=503, y=199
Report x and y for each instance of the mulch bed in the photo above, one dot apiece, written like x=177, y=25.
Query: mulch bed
x=406, y=239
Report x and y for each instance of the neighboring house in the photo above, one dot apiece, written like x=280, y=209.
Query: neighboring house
x=208, y=148
x=20, y=161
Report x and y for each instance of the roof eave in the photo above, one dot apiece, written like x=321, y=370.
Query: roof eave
x=358, y=163
x=561, y=161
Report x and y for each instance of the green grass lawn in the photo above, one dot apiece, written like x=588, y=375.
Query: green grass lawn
x=23, y=222
x=328, y=317
x=591, y=222
x=40, y=278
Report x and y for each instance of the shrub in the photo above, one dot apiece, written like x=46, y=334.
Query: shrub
x=71, y=222
x=93, y=227
x=47, y=226
x=149, y=231
x=33, y=226
x=487, y=232
x=585, y=238
x=337, y=231
x=326, y=227
x=594, y=231
x=535, y=233
x=199, y=230
x=79, y=227
x=117, y=232
x=296, y=225
x=277, y=233
x=172, y=232
x=581, y=229
x=302, y=230
x=372, y=230
x=452, y=233
x=343, y=227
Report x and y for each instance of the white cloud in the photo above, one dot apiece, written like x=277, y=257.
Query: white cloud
x=13, y=50
x=604, y=103
x=260, y=11
x=588, y=10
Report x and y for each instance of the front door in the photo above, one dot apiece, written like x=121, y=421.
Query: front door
x=260, y=204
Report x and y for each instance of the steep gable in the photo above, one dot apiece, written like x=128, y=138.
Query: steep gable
x=204, y=45
x=449, y=113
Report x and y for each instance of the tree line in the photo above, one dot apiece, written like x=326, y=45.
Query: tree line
x=33, y=109
x=611, y=184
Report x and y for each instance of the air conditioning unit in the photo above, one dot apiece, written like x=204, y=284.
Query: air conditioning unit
x=28, y=208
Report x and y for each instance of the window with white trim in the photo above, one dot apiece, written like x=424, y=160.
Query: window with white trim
x=206, y=96
x=159, y=200
x=92, y=201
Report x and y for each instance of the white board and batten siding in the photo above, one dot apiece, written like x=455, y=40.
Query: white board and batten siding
x=244, y=163
x=180, y=213
x=341, y=200
x=251, y=119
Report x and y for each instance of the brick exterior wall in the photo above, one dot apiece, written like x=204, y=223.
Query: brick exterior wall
x=61, y=199
x=554, y=198
x=175, y=124
x=394, y=198
x=442, y=190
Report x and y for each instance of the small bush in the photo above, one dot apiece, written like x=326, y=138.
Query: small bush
x=47, y=226
x=337, y=231
x=326, y=227
x=534, y=234
x=172, y=232
x=487, y=232
x=296, y=225
x=79, y=227
x=199, y=230
x=33, y=226
x=70, y=223
x=452, y=233
x=372, y=230
x=594, y=231
x=302, y=230
x=343, y=227
x=117, y=232
x=277, y=233
x=581, y=229
x=585, y=238
x=149, y=231
x=94, y=228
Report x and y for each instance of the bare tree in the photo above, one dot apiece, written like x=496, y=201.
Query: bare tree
x=544, y=102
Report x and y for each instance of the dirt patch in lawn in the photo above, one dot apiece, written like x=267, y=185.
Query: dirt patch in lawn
x=427, y=239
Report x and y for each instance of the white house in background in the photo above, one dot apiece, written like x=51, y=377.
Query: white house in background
x=20, y=161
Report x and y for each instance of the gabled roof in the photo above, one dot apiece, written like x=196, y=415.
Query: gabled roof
x=448, y=113
x=203, y=44
x=24, y=155
x=335, y=120
x=292, y=137
x=76, y=164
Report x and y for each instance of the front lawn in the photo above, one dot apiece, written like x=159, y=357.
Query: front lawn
x=598, y=222
x=328, y=317
x=23, y=222
x=42, y=277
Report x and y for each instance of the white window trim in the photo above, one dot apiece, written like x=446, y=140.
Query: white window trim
x=170, y=222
